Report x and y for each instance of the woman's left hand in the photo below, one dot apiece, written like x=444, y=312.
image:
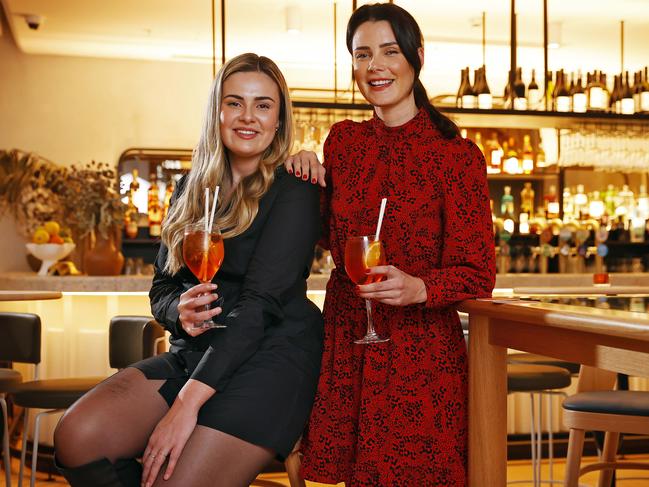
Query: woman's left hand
x=398, y=288
x=305, y=164
x=167, y=440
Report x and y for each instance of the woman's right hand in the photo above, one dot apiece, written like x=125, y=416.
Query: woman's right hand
x=197, y=297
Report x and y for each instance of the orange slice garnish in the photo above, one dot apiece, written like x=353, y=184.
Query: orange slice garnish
x=374, y=254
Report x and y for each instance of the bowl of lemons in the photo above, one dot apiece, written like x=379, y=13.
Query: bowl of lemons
x=49, y=244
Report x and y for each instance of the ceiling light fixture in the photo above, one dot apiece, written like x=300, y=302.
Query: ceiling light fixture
x=293, y=19
x=554, y=35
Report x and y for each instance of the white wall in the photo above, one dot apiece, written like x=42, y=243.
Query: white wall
x=74, y=109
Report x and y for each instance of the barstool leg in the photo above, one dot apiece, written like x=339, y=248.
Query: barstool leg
x=23, y=450
x=5, y=441
x=608, y=455
x=575, y=449
x=550, y=439
x=37, y=429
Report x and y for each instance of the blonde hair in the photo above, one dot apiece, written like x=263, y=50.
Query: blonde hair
x=210, y=166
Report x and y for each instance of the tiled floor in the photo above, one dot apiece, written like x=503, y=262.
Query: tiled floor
x=516, y=470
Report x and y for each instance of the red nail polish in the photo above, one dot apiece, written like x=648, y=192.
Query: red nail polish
x=367, y=271
x=297, y=173
x=290, y=171
x=305, y=177
x=313, y=180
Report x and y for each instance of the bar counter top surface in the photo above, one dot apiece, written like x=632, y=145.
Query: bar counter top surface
x=586, y=330
x=29, y=281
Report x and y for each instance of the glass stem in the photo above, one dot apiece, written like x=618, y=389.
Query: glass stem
x=370, y=322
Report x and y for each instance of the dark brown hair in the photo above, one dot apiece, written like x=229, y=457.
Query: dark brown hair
x=410, y=39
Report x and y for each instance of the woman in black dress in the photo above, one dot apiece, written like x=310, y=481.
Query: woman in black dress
x=224, y=401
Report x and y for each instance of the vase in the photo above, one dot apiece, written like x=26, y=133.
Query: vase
x=103, y=258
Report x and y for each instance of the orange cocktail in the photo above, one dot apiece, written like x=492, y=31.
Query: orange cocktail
x=362, y=253
x=203, y=254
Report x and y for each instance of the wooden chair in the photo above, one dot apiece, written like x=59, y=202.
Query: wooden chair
x=614, y=412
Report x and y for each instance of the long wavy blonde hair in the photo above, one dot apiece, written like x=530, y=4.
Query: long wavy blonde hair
x=210, y=166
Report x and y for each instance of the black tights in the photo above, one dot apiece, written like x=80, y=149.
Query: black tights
x=116, y=418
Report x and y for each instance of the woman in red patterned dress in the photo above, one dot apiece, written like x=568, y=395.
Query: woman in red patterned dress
x=395, y=413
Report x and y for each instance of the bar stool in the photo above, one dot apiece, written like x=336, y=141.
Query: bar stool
x=538, y=380
x=614, y=412
x=131, y=338
x=535, y=358
x=20, y=341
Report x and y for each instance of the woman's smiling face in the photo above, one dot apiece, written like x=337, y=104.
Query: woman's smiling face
x=382, y=73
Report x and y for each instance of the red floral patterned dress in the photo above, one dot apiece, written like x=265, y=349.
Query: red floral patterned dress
x=395, y=414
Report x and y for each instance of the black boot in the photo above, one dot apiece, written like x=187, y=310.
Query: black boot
x=103, y=473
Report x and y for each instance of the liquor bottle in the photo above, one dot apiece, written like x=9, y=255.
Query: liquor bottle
x=527, y=199
x=562, y=100
x=541, y=163
x=520, y=101
x=609, y=200
x=511, y=164
x=615, y=100
x=464, y=80
x=605, y=90
x=533, y=94
x=642, y=205
x=637, y=89
x=508, y=96
x=595, y=92
x=551, y=200
x=527, y=160
x=507, y=203
x=169, y=191
x=469, y=99
x=568, y=205
x=627, y=106
x=580, y=202
x=485, y=100
x=625, y=203
x=131, y=213
x=571, y=87
x=579, y=99
x=596, y=206
x=153, y=207
x=644, y=92
x=549, y=91
x=494, y=155
x=478, y=142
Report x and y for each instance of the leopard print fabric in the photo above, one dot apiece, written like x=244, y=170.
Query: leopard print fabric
x=395, y=413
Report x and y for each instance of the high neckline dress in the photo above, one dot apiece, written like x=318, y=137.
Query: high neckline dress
x=395, y=414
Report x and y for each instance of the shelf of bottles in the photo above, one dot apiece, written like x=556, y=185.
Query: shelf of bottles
x=565, y=94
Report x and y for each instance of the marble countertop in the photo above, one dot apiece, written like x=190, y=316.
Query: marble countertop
x=29, y=281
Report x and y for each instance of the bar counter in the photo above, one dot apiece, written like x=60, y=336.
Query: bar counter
x=29, y=281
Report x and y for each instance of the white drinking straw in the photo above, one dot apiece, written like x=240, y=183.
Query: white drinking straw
x=384, y=201
x=207, y=208
x=216, y=197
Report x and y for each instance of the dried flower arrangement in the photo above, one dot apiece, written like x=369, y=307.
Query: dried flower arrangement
x=92, y=200
x=34, y=190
